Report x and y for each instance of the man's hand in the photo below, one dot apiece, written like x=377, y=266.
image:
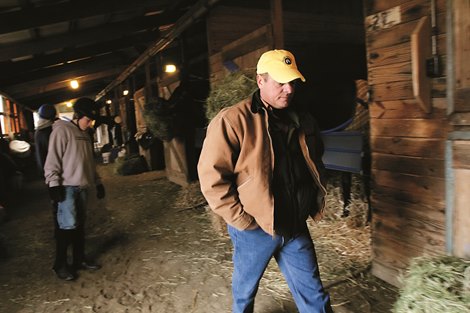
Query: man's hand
x=100, y=192
x=57, y=193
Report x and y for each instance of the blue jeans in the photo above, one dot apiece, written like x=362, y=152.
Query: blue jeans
x=253, y=249
x=71, y=211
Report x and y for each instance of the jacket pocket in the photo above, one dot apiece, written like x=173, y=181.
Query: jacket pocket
x=243, y=179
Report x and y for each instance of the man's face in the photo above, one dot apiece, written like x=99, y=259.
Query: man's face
x=84, y=123
x=275, y=94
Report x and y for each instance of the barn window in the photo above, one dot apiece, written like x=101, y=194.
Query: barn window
x=9, y=117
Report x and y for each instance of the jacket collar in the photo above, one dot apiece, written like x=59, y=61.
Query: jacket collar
x=257, y=105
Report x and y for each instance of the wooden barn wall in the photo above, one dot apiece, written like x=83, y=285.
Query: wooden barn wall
x=313, y=31
x=236, y=34
x=407, y=144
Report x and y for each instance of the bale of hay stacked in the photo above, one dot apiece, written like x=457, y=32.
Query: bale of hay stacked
x=160, y=117
x=231, y=90
x=131, y=165
x=435, y=284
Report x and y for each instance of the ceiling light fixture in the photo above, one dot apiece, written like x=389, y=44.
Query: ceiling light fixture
x=170, y=68
x=125, y=92
x=74, y=84
x=109, y=101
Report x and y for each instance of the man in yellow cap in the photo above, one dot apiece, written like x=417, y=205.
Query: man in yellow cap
x=260, y=169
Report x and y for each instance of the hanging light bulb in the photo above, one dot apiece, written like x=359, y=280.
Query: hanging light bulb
x=170, y=68
x=74, y=84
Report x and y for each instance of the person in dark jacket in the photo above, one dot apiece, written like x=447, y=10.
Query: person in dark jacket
x=261, y=170
x=47, y=115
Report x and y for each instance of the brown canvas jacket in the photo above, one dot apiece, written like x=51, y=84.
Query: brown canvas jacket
x=237, y=161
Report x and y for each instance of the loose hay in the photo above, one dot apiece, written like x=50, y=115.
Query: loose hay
x=435, y=284
x=358, y=206
x=343, y=247
x=189, y=196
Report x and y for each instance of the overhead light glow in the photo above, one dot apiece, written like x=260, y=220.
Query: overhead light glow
x=109, y=101
x=170, y=68
x=125, y=92
x=74, y=84
x=69, y=104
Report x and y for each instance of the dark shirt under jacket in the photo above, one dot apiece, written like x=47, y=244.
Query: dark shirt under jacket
x=293, y=186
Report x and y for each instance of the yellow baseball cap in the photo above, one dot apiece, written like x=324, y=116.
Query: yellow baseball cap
x=280, y=65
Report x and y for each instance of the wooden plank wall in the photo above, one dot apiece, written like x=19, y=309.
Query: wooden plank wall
x=237, y=34
x=408, y=145
x=242, y=34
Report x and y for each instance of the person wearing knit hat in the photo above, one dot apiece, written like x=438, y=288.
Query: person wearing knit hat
x=261, y=170
x=70, y=173
x=47, y=115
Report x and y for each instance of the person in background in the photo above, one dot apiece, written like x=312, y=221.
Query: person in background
x=260, y=169
x=47, y=115
x=8, y=168
x=70, y=172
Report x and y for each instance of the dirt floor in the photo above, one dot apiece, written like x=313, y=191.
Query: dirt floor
x=160, y=253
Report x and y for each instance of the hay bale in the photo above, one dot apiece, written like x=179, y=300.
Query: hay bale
x=231, y=90
x=160, y=118
x=435, y=284
x=132, y=165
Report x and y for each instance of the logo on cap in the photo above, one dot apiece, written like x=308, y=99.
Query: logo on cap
x=287, y=60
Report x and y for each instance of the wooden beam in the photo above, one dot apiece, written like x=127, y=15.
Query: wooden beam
x=461, y=226
x=277, y=23
x=250, y=42
x=10, y=69
x=106, y=32
x=90, y=64
x=66, y=11
x=58, y=82
x=64, y=94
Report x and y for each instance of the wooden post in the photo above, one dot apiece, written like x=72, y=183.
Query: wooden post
x=148, y=82
x=277, y=24
x=458, y=226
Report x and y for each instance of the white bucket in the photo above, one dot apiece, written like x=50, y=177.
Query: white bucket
x=106, y=156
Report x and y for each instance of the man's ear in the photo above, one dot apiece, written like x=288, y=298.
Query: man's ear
x=259, y=80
